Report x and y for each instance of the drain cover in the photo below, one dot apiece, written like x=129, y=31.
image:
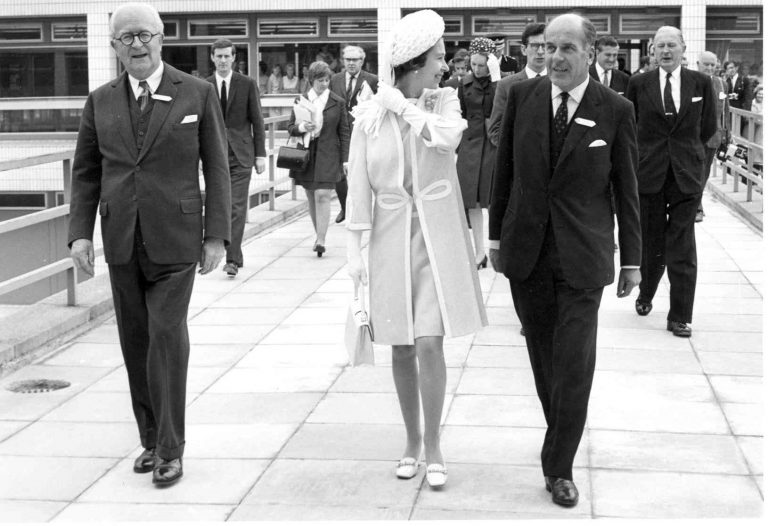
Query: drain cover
x=37, y=386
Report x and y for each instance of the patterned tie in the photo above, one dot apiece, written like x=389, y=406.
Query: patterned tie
x=606, y=82
x=223, y=98
x=669, y=103
x=144, y=95
x=350, y=85
x=561, y=116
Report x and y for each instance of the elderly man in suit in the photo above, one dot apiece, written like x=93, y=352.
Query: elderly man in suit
x=533, y=49
x=349, y=84
x=140, y=141
x=241, y=107
x=605, y=69
x=676, y=115
x=564, y=140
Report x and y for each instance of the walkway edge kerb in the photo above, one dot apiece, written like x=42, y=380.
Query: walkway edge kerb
x=50, y=323
x=737, y=202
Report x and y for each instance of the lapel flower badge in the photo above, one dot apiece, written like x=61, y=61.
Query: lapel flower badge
x=430, y=100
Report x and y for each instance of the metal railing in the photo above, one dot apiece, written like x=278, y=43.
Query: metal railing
x=65, y=264
x=746, y=132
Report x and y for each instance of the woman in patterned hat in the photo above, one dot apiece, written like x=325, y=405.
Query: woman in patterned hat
x=403, y=189
x=476, y=155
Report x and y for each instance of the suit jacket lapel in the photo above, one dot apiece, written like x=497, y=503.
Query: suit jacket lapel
x=589, y=108
x=121, y=112
x=543, y=105
x=686, y=94
x=160, y=109
x=234, y=83
x=654, y=90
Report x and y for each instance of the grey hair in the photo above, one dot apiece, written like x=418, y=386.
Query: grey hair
x=131, y=6
x=676, y=30
x=352, y=46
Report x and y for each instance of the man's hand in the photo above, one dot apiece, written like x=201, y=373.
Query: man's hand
x=261, y=165
x=82, y=254
x=629, y=278
x=345, y=167
x=212, y=253
x=495, y=257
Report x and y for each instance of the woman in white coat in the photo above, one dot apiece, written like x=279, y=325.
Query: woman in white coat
x=404, y=189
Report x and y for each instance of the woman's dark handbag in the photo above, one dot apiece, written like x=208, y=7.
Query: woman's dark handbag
x=294, y=158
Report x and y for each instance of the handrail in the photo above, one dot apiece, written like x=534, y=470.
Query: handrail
x=745, y=126
x=66, y=264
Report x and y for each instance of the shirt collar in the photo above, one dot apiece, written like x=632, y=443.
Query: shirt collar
x=675, y=73
x=220, y=79
x=600, y=71
x=532, y=74
x=312, y=96
x=576, y=93
x=153, y=80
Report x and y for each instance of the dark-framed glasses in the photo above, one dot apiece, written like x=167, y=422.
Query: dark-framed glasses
x=129, y=38
x=537, y=45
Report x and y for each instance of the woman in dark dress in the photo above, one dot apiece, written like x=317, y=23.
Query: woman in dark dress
x=328, y=146
x=476, y=154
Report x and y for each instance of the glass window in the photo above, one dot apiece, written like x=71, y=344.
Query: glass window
x=734, y=23
x=69, y=31
x=283, y=28
x=218, y=28
x=15, y=32
x=44, y=73
x=601, y=22
x=196, y=59
x=507, y=25
x=454, y=25
x=642, y=24
x=21, y=200
x=352, y=26
x=170, y=29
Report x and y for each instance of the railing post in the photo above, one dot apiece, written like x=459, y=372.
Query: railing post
x=67, y=176
x=272, y=161
x=72, y=286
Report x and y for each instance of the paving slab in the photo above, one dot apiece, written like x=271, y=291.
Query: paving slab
x=48, y=478
x=85, y=512
x=29, y=510
x=72, y=439
x=251, y=408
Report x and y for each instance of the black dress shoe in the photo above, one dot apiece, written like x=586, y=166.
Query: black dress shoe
x=643, y=308
x=167, y=472
x=145, y=462
x=340, y=217
x=563, y=491
x=679, y=328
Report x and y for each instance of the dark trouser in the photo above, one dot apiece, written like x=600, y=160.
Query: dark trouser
x=669, y=240
x=709, y=155
x=240, y=177
x=151, y=303
x=560, y=331
x=341, y=191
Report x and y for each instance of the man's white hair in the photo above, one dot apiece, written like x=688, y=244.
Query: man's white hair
x=136, y=6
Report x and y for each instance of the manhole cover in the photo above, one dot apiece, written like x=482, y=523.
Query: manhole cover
x=37, y=386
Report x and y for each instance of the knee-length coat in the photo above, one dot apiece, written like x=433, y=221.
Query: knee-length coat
x=476, y=155
x=378, y=201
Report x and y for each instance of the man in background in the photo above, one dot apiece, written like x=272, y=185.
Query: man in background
x=605, y=69
x=240, y=104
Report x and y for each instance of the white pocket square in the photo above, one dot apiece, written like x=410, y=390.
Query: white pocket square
x=189, y=118
x=598, y=142
x=164, y=98
x=696, y=99
x=584, y=122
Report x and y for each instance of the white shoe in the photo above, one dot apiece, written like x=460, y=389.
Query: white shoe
x=437, y=475
x=407, y=468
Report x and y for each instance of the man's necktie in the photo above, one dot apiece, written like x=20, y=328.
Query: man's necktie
x=538, y=75
x=144, y=95
x=606, y=82
x=561, y=116
x=350, y=85
x=223, y=98
x=730, y=85
x=669, y=103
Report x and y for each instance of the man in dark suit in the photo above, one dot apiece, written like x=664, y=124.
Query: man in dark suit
x=738, y=87
x=141, y=139
x=241, y=107
x=351, y=84
x=533, y=49
x=605, y=69
x=676, y=114
x=564, y=139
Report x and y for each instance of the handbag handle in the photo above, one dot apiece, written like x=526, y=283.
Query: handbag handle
x=360, y=298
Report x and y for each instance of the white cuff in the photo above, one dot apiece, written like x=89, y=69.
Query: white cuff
x=494, y=244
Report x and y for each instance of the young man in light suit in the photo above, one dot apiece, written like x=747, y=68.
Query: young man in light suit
x=676, y=114
x=141, y=138
x=565, y=138
x=241, y=107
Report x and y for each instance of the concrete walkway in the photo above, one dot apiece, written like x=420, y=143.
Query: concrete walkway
x=278, y=427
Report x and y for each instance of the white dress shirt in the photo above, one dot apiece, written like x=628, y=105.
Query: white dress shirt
x=219, y=80
x=675, y=81
x=153, y=81
x=532, y=74
x=601, y=72
x=574, y=98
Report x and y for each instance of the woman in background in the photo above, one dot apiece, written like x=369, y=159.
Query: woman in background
x=403, y=188
x=328, y=148
x=476, y=155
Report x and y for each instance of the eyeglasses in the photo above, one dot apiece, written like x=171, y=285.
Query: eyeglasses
x=129, y=38
x=352, y=59
x=537, y=46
